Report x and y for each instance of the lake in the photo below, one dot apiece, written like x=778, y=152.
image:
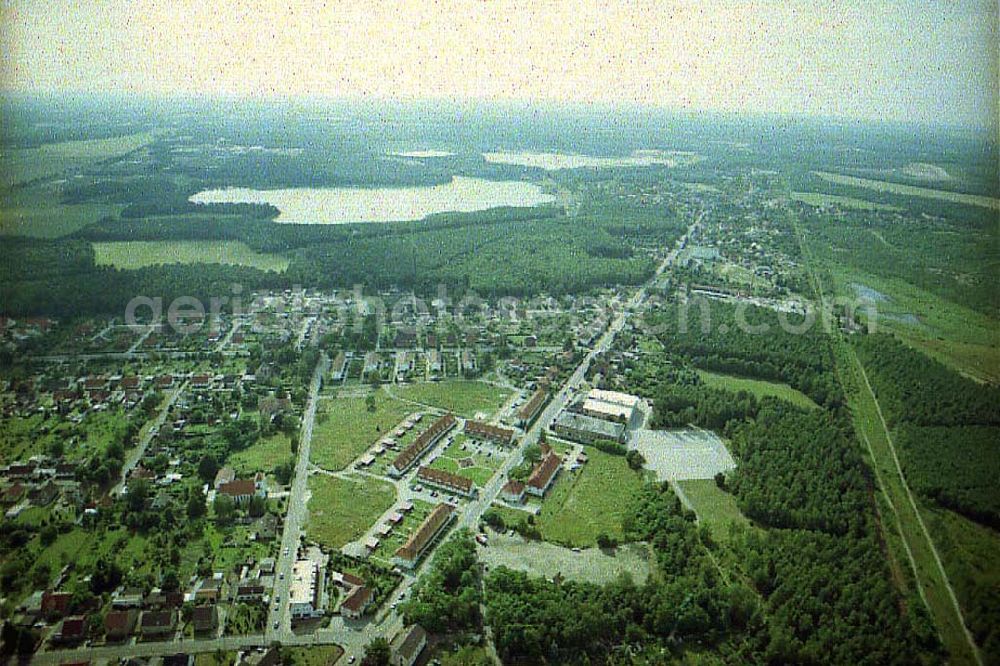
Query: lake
x=344, y=205
x=557, y=161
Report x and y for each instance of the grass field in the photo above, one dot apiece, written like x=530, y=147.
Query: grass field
x=139, y=254
x=910, y=190
x=263, y=456
x=593, y=500
x=957, y=336
x=23, y=165
x=345, y=428
x=756, y=387
x=971, y=556
x=817, y=199
x=715, y=508
x=340, y=511
x=35, y=211
x=483, y=468
x=462, y=397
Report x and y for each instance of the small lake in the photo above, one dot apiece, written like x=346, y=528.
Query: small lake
x=345, y=205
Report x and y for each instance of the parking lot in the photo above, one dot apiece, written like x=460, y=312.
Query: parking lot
x=688, y=453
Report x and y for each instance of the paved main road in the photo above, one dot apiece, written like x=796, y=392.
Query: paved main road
x=295, y=516
x=470, y=518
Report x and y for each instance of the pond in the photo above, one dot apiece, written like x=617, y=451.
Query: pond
x=345, y=205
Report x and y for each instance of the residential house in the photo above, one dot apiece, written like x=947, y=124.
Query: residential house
x=447, y=481
x=119, y=624
x=513, y=491
x=71, y=630
x=157, y=624
x=357, y=602
x=407, y=645
x=487, y=432
x=544, y=474
x=205, y=619
x=530, y=410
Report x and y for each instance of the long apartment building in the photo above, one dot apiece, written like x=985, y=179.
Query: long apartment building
x=447, y=481
x=492, y=433
x=409, y=553
x=531, y=409
x=544, y=474
x=428, y=438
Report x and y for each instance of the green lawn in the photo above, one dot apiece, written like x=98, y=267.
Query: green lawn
x=340, y=511
x=316, y=655
x=463, y=397
x=263, y=456
x=593, y=500
x=756, y=387
x=957, y=336
x=139, y=254
x=480, y=472
x=715, y=508
x=345, y=428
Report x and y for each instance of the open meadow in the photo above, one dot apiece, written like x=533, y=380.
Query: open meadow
x=345, y=428
x=463, y=397
x=589, y=502
x=756, y=387
x=341, y=510
x=139, y=254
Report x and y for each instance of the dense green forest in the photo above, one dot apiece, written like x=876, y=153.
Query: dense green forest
x=496, y=253
x=799, y=470
x=749, y=341
x=539, y=621
x=912, y=387
x=958, y=467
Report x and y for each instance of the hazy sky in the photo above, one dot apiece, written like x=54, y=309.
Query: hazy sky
x=924, y=60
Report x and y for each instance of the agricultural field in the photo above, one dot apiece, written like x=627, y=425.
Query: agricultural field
x=128, y=255
x=817, y=199
x=714, y=507
x=757, y=387
x=463, y=397
x=910, y=190
x=36, y=212
x=593, y=500
x=341, y=510
x=345, y=428
x=23, y=165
